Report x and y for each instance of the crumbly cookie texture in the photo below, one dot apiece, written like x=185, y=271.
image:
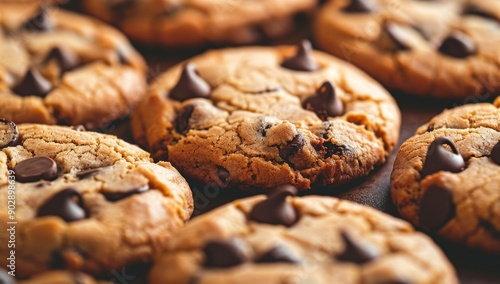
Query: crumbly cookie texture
x=237, y=117
x=87, y=201
x=443, y=49
x=193, y=23
x=446, y=177
x=329, y=241
x=62, y=68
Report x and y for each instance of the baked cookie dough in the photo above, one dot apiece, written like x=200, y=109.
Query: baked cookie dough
x=62, y=68
x=267, y=116
x=86, y=201
x=51, y=277
x=194, y=23
x=446, y=178
x=311, y=239
x=444, y=49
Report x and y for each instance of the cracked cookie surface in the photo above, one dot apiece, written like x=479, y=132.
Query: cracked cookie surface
x=453, y=193
x=330, y=241
x=236, y=117
x=193, y=23
x=62, y=68
x=443, y=48
x=87, y=201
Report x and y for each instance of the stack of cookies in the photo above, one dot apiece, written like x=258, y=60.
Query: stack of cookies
x=274, y=122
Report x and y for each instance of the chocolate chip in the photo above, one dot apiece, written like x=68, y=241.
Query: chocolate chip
x=222, y=253
x=190, y=85
x=355, y=251
x=89, y=172
x=475, y=10
x=495, y=154
x=293, y=147
x=458, y=45
x=33, y=84
x=64, y=57
x=337, y=150
x=223, y=174
x=35, y=169
x=360, y=6
x=302, y=60
x=439, y=159
x=5, y=278
x=79, y=128
x=325, y=103
x=118, y=195
x=436, y=207
x=40, y=22
x=66, y=204
x=277, y=254
x=182, y=120
x=9, y=134
x=396, y=35
x=275, y=210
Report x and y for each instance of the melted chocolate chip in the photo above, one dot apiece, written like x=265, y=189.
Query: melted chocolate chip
x=439, y=159
x=222, y=253
x=325, y=103
x=9, y=134
x=182, y=121
x=64, y=57
x=355, y=251
x=36, y=169
x=395, y=33
x=87, y=173
x=293, y=147
x=436, y=207
x=5, y=278
x=120, y=6
x=495, y=154
x=475, y=10
x=40, y=22
x=275, y=210
x=302, y=60
x=277, y=254
x=118, y=195
x=66, y=204
x=458, y=45
x=190, y=85
x=337, y=150
x=33, y=84
x=360, y=6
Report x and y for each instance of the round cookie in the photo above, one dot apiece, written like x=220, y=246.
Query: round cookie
x=446, y=178
x=309, y=239
x=267, y=116
x=194, y=23
x=86, y=201
x=62, y=68
x=444, y=49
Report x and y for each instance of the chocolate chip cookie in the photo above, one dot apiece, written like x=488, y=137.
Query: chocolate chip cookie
x=441, y=48
x=83, y=201
x=285, y=239
x=61, y=68
x=446, y=178
x=194, y=23
x=267, y=116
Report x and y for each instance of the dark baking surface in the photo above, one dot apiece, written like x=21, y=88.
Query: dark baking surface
x=471, y=266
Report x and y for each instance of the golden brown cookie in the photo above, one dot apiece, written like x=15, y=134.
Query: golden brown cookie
x=300, y=240
x=194, y=23
x=62, y=68
x=266, y=116
x=84, y=201
x=441, y=48
x=446, y=178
